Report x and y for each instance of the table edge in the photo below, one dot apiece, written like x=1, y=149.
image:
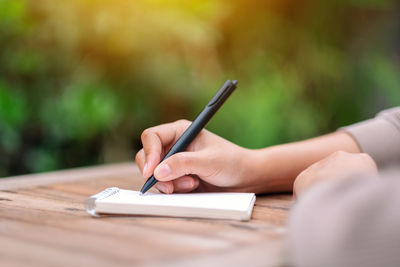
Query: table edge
x=75, y=174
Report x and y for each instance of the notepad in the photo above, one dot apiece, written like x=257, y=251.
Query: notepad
x=233, y=206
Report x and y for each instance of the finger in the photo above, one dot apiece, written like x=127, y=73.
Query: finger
x=182, y=164
x=152, y=148
x=156, y=140
x=139, y=159
x=180, y=185
x=185, y=184
x=165, y=187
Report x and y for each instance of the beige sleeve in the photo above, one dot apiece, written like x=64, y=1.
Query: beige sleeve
x=347, y=222
x=379, y=137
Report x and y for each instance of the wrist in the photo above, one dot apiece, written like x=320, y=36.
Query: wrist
x=277, y=167
x=267, y=171
x=276, y=171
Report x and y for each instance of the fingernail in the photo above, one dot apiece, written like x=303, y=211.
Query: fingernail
x=162, y=171
x=184, y=185
x=162, y=187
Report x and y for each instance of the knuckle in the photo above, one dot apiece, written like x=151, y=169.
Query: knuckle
x=145, y=133
x=340, y=153
x=301, y=176
x=367, y=158
x=183, y=122
x=183, y=125
x=295, y=184
x=137, y=157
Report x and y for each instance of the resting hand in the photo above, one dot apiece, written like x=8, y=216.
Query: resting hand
x=338, y=165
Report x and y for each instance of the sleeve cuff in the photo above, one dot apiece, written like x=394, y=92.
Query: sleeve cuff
x=379, y=138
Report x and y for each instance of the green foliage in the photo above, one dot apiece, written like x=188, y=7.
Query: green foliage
x=12, y=108
x=384, y=74
x=12, y=117
x=78, y=77
x=11, y=12
x=42, y=159
x=80, y=112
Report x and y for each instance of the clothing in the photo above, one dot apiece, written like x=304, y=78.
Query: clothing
x=379, y=137
x=353, y=221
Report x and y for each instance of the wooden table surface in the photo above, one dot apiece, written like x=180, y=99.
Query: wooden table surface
x=43, y=223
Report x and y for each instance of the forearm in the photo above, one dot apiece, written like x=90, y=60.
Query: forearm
x=277, y=167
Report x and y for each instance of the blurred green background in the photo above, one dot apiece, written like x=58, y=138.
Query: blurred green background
x=81, y=79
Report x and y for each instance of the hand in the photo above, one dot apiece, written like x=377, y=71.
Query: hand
x=210, y=162
x=338, y=165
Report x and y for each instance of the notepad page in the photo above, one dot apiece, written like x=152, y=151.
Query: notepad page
x=235, y=206
x=223, y=201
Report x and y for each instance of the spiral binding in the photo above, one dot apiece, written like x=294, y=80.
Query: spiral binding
x=90, y=204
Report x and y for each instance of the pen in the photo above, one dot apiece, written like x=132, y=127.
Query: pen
x=197, y=125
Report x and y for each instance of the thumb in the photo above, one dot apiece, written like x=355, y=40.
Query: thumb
x=181, y=164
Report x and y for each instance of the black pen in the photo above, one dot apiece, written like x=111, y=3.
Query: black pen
x=197, y=125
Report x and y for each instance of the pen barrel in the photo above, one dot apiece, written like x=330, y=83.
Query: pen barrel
x=203, y=118
x=192, y=131
x=196, y=126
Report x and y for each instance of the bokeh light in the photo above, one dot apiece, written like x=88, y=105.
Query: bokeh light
x=81, y=79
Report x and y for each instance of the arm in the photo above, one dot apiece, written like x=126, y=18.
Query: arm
x=211, y=163
x=278, y=166
x=378, y=138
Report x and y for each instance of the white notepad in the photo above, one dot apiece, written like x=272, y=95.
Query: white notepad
x=234, y=206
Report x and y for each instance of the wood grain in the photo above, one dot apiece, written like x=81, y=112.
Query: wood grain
x=43, y=223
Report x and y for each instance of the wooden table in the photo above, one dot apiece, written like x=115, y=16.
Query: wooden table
x=43, y=223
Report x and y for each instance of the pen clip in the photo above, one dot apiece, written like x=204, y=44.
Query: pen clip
x=223, y=93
